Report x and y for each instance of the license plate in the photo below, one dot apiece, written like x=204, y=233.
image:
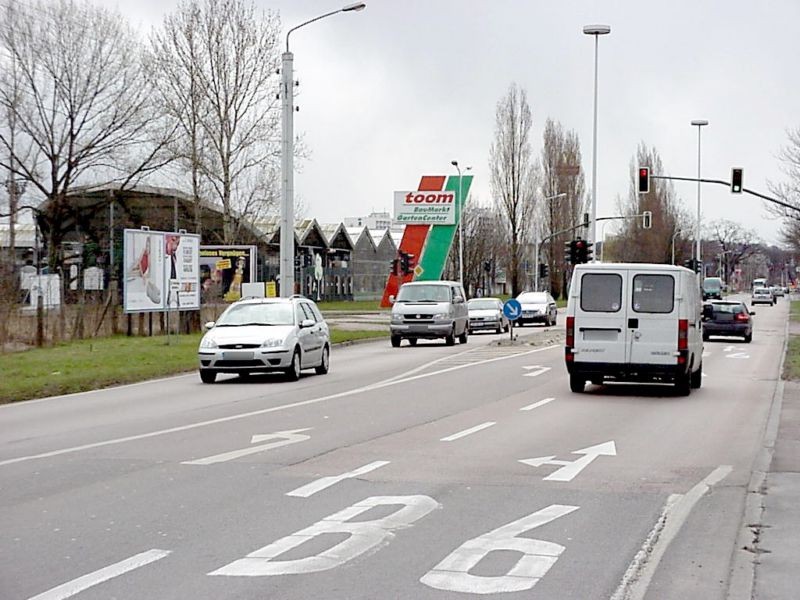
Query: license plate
x=237, y=356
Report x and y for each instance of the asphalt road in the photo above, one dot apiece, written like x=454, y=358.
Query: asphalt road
x=397, y=475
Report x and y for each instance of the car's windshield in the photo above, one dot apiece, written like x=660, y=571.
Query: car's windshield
x=712, y=284
x=257, y=314
x=424, y=293
x=533, y=298
x=761, y=291
x=728, y=308
x=482, y=304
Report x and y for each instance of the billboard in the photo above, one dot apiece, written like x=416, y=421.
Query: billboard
x=223, y=270
x=425, y=207
x=161, y=271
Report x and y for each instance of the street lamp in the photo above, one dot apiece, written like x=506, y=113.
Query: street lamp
x=287, y=155
x=537, y=247
x=674, y=235
x=596, y=31
x=699, y=123
x=460, y=219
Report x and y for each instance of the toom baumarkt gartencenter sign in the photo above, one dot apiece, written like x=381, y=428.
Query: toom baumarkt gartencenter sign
x=431, y=208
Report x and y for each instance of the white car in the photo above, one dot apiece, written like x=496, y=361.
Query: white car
x=762, y=296
x=537, y=307
x=486, y=314
x=266, y=334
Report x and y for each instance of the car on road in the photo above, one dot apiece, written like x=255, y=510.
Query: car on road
x=727, y=318
x=762, y=295
x=777, y=290
x=486, y=314
x=712, y=288
x=259, y=335
x=429, y=310
x=537, y=307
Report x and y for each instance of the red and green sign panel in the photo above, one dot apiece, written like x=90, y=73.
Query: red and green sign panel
x=429, y=244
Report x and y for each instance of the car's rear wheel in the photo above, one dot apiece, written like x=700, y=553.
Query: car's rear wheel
x=295, y=367
x=462, y=339
x=396, y=339
x=208, y=376
x=683, y=384
x=705, y=337
x=748, y=338
x=325, y=363
x=577, y=383
x=697, y=378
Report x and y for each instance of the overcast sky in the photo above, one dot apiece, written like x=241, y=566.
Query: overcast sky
x=404, y=87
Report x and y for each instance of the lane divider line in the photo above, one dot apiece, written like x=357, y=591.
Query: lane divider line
x=537, y=404
x=323, y=483
x=469, y=431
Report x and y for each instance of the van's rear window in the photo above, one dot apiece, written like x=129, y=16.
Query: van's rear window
x=653, y=293
x=601, y=292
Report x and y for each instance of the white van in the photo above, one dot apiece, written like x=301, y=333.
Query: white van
x=429, y=310
x=634, y=322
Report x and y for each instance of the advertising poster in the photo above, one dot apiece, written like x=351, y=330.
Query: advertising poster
x=161, y=271
x=223, y=270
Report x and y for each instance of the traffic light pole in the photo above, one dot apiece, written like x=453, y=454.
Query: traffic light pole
x=538, y=247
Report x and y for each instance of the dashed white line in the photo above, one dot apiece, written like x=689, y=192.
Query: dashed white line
x=469, y=431
x=537, y=404
x=325, y=482
x=76, y=586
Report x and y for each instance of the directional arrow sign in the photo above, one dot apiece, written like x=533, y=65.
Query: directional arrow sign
x=535, y=370
x=568, y=469
x=512, y=309
x=284, y=438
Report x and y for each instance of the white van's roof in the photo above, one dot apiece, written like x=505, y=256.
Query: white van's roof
x=631, y=266
x=433, y=282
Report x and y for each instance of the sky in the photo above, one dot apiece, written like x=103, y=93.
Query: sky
x=404, y=87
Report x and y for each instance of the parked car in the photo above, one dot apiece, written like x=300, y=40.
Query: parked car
x=429, y=310
x=537, y=307
x=486, y=313
x=727, y=318
x=762, y=295
x=712, y=288
x=259, y=335
x=634, y=322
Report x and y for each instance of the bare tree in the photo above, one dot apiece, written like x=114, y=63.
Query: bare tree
x=634, y=243
x=735, y=243
x=514, y=175
x=562, y=173
x=219, y=61
x=82, y=105
x=789, y=191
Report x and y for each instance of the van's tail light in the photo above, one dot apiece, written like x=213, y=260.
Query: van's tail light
x=741, y=317
x=570, y=342
x=683, y=334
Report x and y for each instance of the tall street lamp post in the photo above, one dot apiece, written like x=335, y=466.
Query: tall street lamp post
x=287, y=156
x=460, y=219
x=674, y=235
x=596, y=31
x=699, y=123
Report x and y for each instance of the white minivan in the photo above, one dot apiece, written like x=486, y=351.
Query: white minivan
x=634, y=322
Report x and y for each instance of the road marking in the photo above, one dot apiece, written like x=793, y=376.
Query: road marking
x=640, y=572
x=537, y=404
x=535, y=370
x=729, y=348
x=570, y=469
x=469, y=431
x=264, y=411
x=361, y=537
x=284, y=439
x=325, y=482
x=76, y=586
x=737, y=355
x=453, y=573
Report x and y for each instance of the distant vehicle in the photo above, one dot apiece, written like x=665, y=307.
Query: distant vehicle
x=537, y=307
x=486, y=313
x=634, y=322
x=258, y=335
x=759, y=283
x=429, y=310
x=777, y=290
x=762, y=295
x=712, y=288
x=727, y=318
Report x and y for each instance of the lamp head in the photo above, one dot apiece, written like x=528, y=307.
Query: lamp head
x=454, y=163
x=699, y=122
x=597, y=29
x=355, y=7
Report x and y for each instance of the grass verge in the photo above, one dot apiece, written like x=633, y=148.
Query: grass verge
x=103, y=362
x=791, y=366
x=794, y=313
x=351, y=306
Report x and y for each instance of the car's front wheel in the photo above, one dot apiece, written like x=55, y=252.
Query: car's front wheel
x=293, y=372
x=325, y=363
x=208, y=376
x=396, y=339
x=450, y=338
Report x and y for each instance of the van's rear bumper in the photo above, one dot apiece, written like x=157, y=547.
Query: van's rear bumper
x=627, y=372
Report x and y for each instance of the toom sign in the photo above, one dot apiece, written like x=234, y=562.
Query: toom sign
x=425, y=207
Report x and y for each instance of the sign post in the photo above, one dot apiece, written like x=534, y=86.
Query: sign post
x=512, y=309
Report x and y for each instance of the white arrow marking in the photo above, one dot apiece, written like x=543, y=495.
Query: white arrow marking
x=537, y=404
x=325, y=482
x=728, y=348
x=738, y=355
x=76, y=586
x=284, y=439
x=535, y=370
x=568, y=469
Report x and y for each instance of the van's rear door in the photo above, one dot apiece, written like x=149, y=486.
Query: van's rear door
x=653, y=312
x=600, y=317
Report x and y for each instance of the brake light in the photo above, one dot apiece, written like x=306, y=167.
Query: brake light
x=683, y=334
x=570, y=342
x=743, y=317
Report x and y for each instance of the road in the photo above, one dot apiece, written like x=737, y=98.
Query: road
x=426, y=472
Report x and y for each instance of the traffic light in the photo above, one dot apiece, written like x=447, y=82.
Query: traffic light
x=395, y=266
x=586, y=220
x=737, y=177
x=647, y=219
x=644, y=180
x=544, y=270
x=693, y=264
x=487, y=266
x=406, y=263
x=569, y=252
x=583, y=251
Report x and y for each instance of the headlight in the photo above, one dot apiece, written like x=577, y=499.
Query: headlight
x=207, y=342
x=440, y=316
x=273, y=343
x=397, y=318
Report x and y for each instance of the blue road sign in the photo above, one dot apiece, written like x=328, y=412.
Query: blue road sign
x=512, y=309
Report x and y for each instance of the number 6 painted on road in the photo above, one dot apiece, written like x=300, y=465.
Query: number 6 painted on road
x=452, y=574
x=364, y=536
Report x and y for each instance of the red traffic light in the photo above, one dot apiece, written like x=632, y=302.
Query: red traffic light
x=644, y=180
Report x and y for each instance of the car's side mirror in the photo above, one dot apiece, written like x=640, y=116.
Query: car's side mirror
x=209, y=325
x=391, y=299
x=752, y=313
x=306, y=323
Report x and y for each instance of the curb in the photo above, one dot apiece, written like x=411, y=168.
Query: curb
x=371, y=340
